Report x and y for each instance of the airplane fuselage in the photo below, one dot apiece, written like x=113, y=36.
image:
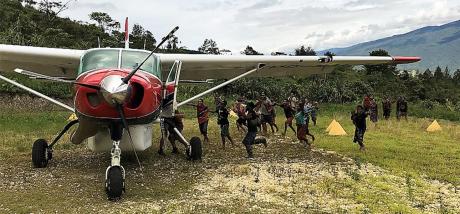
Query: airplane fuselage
x=143, y=104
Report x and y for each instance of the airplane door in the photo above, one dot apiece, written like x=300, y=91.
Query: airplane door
x=170, y=90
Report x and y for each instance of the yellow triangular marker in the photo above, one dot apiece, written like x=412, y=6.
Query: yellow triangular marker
x=72, y=117
x=330, y=125
x=337, y=130
x=434, y=127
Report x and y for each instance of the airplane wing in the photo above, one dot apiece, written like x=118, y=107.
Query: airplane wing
x=53, y=62
x=201, y=67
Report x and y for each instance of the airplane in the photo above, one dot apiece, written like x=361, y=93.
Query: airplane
x=121, y=92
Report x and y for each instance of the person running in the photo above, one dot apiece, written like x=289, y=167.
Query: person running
x=401, y=108
x=240, y=110
x=301, y=126
x=202, y=114
x=386, y=105
x=359, y=120
x=289, y=113
x=222, y=120
x=374, y=111
x=313, y=113
x=252, y=121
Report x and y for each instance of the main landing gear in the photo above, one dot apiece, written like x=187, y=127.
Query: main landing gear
x=42, y=153
x=193, y=149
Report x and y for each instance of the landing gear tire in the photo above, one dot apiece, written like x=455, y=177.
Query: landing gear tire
x=195, y=144
x=40, y=153
x=114, y=185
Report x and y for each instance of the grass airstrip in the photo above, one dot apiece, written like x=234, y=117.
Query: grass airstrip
x=404, y=170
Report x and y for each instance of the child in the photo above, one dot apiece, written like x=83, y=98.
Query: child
x=222, y=120
x=359, y=120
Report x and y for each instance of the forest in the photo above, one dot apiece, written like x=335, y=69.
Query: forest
x=37, y=23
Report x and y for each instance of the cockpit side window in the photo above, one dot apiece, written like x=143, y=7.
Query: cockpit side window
x=98, y=59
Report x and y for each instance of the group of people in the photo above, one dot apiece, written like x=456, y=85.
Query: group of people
x=370, y=108
x=253, y=117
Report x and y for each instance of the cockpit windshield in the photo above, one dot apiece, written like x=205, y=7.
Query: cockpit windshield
x=110, y=58
x=97, y=59
x=132, y=59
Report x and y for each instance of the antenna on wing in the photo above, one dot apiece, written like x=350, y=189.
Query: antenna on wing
x=126, y=34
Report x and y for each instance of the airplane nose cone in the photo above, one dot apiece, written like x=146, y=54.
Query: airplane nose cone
x=114, y=90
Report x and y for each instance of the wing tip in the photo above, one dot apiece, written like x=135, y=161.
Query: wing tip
x=406, y=59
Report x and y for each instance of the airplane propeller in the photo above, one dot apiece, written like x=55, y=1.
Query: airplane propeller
x=131, y=74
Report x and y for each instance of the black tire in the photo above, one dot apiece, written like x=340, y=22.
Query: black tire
x=40, y=153
x=114, y=185
x=197, y=151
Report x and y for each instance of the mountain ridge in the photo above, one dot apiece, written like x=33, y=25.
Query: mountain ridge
x=437, y=45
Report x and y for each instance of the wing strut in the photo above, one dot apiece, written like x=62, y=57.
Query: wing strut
x=37, y=93
x=260, y=66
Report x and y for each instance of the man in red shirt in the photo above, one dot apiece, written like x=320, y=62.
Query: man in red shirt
x=202, y=113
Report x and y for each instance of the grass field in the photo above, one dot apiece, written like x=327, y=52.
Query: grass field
x=404, y=170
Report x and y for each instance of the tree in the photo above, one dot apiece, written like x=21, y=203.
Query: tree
x=250, y=51
x=380, y=69
x=438, y=75
x=105, y=22
x=172, y=43
x=141, y=38
x=52, y=8
x=447, y=73
x=302, y=51
x=209, y=46
x=456, y=77
x=427, y=75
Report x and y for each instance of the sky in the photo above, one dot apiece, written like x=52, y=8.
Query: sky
x=274, y=25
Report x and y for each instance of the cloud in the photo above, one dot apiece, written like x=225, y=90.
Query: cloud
x=275, y=25
x=262, y=5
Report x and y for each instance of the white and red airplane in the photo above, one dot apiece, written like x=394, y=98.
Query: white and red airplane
x=121, y=92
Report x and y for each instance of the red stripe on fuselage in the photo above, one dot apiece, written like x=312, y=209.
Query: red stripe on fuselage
x=150, y=103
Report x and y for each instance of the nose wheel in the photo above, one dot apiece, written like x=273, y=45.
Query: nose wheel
x=115, y=182
x=115, y=174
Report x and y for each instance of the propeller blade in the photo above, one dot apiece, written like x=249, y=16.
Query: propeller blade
x=125, y=125
x=95, y=87
x=131, y=74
